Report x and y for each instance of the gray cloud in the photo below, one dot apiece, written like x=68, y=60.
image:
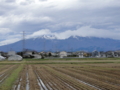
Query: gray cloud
x=60, y=15
x=43, y=0
x=10, y=1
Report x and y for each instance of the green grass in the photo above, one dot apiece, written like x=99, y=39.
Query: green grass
x=62, y=60
x=46, y=59
x=29, y=59
x=7, y=84
x=70, y=62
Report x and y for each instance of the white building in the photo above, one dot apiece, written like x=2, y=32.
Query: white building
x=63, y=54
x=2, y=58
x=15, y=57
x=10, y=53
x=37, y=56
x=81, y=55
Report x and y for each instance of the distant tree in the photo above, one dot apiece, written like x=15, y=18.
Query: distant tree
x=20, y=53
x=49, y=54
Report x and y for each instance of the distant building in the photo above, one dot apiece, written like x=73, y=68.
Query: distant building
x=69, y=54
x=115, y=54
x=96, y=54
x=80, y=54
x=63, y=54
x=37, y=56
x=2, y=58
x=55, y=54
x=102, y=54
x=15, y=57
x=28, y=52
x=10, y=53
x=109, y=54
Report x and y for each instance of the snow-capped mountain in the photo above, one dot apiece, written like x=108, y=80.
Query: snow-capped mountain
x=46, y=37
x=73, y=43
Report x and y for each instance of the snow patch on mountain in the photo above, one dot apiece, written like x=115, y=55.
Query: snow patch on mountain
x=43, y=37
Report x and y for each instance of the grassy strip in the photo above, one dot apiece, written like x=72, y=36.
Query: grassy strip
x=9, y=63
x=47, y=59
x=8, y=83
x=69, y=62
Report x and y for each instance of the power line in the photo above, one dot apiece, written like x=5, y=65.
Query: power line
x=23, y=41
x=44, y=46
x=23, y=38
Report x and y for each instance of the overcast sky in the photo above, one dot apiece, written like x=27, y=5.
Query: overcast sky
x=63, y=18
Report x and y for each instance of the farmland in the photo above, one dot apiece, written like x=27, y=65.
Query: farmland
x=60, y=75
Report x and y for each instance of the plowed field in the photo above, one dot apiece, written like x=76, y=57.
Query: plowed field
x=5, y=71
x=59, y=76
x=69, y=77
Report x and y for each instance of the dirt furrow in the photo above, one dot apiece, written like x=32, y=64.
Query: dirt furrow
x=23, y=77
x=71, y=81
x=33, y=79
x=52, y=81
x=99, y=77
x=6, y=68
x=89, y=80
x=6, y=73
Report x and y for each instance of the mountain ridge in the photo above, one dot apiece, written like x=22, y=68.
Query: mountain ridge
x=73, y=43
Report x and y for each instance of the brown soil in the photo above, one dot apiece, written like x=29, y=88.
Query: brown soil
x=68, y=77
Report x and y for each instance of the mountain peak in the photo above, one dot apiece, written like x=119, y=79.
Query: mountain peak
x=46, y=37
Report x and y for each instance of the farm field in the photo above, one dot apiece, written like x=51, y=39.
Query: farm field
x=64, y=75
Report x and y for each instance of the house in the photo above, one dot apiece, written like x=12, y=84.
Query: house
x=102, y=54
x=69, y=54
x=115, y=54
x=112, y=54
x=37, y=56
x=15, y=57
x=43, y=53
x=63, y=54
x=109, y=54
x=48, y=54
x=27, y=54
x=55, y=54
x=96, y=54
x=80, y=54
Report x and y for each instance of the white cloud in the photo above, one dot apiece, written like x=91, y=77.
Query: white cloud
x=9, y=41
x=5, y=30
x=85, y=31
x=16, y=19
x=40, y=33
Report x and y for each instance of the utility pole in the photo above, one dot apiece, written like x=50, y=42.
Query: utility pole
x=44, y=46
x=23, y=41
